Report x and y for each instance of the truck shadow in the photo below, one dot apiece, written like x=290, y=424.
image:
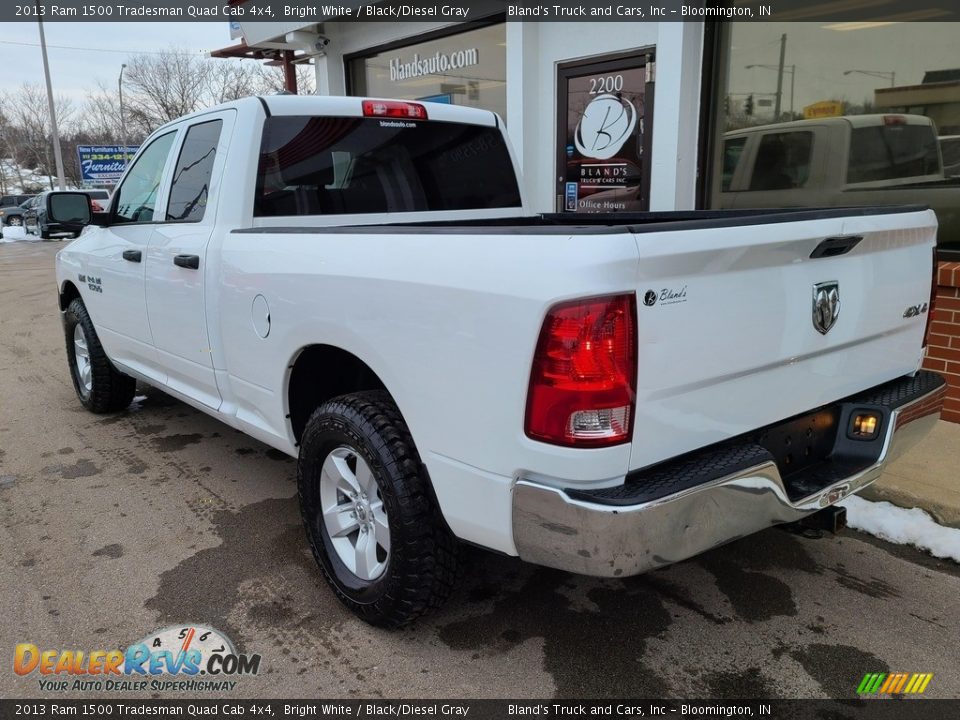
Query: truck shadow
x=599, y=637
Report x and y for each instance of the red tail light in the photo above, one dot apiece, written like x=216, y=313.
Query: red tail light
x=583, y=381
x=933, y=298
x=394, y=109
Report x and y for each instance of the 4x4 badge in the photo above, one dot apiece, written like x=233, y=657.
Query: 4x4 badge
x=826, y=305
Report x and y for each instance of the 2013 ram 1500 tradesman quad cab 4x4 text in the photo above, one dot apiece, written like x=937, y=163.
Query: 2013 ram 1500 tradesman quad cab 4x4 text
x=356, y=283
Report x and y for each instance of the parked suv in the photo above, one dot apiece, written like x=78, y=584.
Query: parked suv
x=6, y=200
x=35, y=218
x=12, y=208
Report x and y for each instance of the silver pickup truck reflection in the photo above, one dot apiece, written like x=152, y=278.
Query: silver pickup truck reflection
x=840, y=162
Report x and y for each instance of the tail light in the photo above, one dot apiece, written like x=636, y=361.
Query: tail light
x=583, y=381
x=933, y=298
x=394, y=109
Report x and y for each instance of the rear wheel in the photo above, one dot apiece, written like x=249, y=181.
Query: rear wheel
x=99, y=385
x=370, y=517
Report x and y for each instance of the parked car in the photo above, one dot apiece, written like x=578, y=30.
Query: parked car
x=8, y=200
x=11, y=215
x=36, y=221
x=355, y=283
x=841, y=162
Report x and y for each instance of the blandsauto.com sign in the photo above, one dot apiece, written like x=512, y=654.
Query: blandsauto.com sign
x=437, y=63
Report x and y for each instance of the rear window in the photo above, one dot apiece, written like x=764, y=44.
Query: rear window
x=339, y=165
x=890, y=152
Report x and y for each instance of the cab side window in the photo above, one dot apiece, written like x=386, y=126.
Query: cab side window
x=137, y=196
x=191, y=179
x=783, y=161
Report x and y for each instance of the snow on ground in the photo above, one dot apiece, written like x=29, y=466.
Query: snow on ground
x=903, y=526
x=12, y=234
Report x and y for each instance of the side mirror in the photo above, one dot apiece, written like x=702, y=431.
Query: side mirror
x=68, y=211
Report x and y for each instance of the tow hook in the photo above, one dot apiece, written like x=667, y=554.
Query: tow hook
x=833, y=519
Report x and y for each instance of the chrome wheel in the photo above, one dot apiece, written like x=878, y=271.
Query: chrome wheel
x=353, y=513
x=81, y=361
x=15, y=221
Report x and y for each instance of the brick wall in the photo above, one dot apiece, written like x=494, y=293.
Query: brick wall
x=943, y=351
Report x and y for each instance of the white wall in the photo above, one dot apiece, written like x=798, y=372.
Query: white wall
x=531, y=100
x=533, y=52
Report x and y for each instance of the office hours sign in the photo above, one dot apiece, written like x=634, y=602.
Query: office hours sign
x=604, y=112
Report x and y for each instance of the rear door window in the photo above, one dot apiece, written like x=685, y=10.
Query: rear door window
x=889, y=152
x=340, y=165
x=191, y=178
x=783, y=161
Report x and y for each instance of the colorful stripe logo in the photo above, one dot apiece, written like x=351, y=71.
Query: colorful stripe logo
x=894, y=683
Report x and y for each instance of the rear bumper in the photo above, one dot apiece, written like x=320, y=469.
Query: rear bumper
x=715, y=496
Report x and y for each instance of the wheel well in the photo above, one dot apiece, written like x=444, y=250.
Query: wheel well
x=68, y=295
x=322, y=372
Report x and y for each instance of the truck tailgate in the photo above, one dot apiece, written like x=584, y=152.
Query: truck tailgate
x=727, y=336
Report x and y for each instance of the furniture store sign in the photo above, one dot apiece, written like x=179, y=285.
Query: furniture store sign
x=437, y=64
x=104, y=164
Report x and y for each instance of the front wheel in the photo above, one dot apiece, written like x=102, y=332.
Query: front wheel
x=15, y=221
x=99, y=385
x=370, y=516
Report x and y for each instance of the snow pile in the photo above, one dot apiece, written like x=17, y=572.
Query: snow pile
x=20, y=180
x=12, y=234
x=902, y=526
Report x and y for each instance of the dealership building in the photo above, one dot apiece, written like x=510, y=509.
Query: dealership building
x=635, y=116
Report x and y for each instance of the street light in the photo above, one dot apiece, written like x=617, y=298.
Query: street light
x=792, y=69
x=123, y=122
x=885, y=74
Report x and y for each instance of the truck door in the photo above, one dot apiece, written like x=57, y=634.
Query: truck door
x=114, y=260
x=175, y=262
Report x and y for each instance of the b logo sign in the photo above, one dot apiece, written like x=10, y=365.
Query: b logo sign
x=606, y=124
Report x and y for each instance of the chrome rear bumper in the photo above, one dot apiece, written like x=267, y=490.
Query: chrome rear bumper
x=553, y=528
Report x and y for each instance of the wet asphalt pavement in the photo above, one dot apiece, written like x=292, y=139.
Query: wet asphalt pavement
x=113, y=526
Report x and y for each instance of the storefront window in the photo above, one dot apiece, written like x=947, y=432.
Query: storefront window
x=833, y=114
x=468, y=68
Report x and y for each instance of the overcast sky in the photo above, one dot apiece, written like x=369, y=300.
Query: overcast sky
x=103, y=47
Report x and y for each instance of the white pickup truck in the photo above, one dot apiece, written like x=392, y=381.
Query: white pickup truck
x=356, y=283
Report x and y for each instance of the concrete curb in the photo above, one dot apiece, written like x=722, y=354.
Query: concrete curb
x=927, y=477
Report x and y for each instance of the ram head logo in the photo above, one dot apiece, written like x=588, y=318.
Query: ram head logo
x=826, y=305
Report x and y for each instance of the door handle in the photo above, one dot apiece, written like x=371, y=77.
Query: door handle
x=187, y=261
x=132, y=255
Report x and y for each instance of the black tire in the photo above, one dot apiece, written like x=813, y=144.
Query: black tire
x=421, y=569
x=44, y=234
x=110, y=389
x=15, y=221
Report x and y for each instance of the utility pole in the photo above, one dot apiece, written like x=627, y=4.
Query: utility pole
x=123, y=121
x=783, y=55
x=54, y=131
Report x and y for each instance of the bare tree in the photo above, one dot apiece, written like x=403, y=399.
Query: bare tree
x=30, y=114
x=162, y=87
